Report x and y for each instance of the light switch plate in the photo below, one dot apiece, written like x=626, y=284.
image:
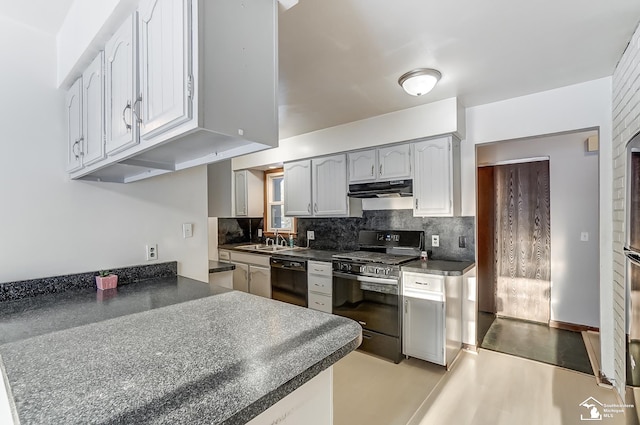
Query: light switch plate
x=435, y=240
x=584, y=236
x=187, y=230
x=311, y=235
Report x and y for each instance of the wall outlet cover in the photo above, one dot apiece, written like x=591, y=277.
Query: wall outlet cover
x=435, y=240
x=311, y=235
x=152, y=251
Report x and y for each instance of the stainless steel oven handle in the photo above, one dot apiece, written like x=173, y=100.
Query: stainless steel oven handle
x=366, y=278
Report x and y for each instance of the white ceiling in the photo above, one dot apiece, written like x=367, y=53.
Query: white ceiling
x=340, y=59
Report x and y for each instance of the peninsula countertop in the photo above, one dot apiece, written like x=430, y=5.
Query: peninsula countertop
x=218, y=359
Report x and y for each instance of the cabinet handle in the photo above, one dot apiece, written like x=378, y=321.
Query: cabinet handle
x=309, y=208
x=372, y=168
x=416, y=203
x=135, y=109
x=315, y=207
x=380, y=169
x=124, y=118
x=73, y=149
x=316, y=302
x=406, y=306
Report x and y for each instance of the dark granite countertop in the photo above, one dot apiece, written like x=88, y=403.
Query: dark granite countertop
x=28, y=317
x=219, y=266
x=306, y=253
x=440, y=267
x=217, y=359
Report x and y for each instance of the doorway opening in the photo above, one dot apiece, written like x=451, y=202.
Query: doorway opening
x=537, y=202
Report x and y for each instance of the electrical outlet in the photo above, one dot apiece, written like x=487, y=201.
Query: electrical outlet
x=259, y=233
x=462, y=242
x=435, y=240
x=584, y=236
x=311, y=235
x=152, y=251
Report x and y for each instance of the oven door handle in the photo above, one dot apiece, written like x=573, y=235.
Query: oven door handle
x=366, y=278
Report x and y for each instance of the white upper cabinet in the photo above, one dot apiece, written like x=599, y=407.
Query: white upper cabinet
x=189, y=82
x=297, y=188
x=362, y=166
x=120, y=88
x=73, y=106
x=93, y=112
x=329, y=183
x=388, y=163
x=436, y=188
x=394, y=162
x=317, y=187
x=241, y=193
x=84, y=107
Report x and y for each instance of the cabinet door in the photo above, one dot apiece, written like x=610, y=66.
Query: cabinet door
x=260, y=281
x=165, y=58
x=297, y=188
x=362, y=166
x=329, y=185
x=241, y=194
x=92, y=115
x=394, y=162
x=241, y=277
x=432, y=188
x=73, y=105
x=423, y=329
x=121, y=127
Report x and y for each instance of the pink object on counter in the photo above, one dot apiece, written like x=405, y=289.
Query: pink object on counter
x=107, y=282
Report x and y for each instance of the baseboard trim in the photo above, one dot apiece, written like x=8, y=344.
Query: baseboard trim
x=571, y=326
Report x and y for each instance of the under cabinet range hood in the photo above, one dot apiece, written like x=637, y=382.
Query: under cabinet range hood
x=383, y=189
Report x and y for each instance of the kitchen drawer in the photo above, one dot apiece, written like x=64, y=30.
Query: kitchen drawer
x=319, y=268
x=320, y=302
x=224, y=255
x=258, y=259
x=423, y=282
x=321, y=284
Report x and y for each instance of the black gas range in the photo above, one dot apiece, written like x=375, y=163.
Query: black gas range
x=366, y=287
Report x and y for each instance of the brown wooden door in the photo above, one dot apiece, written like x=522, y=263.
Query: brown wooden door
x=523, y=241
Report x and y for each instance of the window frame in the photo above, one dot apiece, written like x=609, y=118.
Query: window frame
x=268, y=231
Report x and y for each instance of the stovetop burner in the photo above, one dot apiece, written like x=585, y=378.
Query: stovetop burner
x=375, y=257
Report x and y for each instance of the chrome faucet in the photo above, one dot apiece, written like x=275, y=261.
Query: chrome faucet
x=269, y=240
x=284, y=241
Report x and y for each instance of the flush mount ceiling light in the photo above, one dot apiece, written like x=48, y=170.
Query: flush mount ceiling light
x=419, y=81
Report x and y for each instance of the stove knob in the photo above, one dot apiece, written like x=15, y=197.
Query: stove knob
x=387, y=271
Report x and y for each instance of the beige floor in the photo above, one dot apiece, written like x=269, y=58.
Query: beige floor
x=486, y=388
x=370, y=391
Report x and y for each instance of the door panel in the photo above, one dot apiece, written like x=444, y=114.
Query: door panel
x=92, y=98
x=523, y=241
x=486, y=240
x=73, y=106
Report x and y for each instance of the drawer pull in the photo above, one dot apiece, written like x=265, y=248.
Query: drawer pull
x=318, y=303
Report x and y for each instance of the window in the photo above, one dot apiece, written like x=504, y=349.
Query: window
x=275, y=218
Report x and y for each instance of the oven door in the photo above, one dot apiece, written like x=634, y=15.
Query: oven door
x=372, y=302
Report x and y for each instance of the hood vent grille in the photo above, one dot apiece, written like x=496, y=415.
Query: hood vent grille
x=385, y=189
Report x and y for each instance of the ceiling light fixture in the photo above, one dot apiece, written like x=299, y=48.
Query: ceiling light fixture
x=419, y=81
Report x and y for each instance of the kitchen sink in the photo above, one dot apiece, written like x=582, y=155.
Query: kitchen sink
x=268, y=248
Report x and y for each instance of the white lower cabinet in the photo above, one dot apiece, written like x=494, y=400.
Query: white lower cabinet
x=252, y=273
x=432, y=317
x=260, y=281
x=319, y=282
x=423, y=329
x=311, y=404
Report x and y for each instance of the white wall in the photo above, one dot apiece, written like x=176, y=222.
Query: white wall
x=50, y=225
x=85, y=30
x=432, y=119
x=581, y=106
x=573, y=172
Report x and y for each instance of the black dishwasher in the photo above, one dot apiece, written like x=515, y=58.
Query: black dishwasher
x=289, y=280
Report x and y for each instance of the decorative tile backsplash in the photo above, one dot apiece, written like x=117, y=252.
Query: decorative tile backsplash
x=341, y=234
x=236, y=230
x=47, y=285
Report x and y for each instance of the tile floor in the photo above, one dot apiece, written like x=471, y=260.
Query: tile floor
x=484, y=388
